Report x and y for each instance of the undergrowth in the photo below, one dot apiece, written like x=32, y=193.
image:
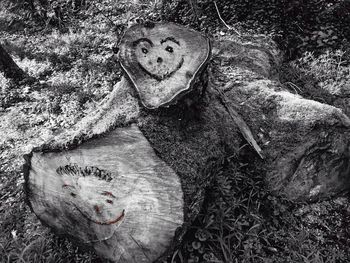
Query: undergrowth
x=242, y=222
x=331, y=69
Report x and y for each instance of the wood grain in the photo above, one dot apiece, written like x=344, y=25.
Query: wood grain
x=112, y=193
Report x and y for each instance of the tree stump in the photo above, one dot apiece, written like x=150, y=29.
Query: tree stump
x=89, y=183
x=162, y=61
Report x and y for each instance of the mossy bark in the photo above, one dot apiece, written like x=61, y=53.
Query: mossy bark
x=305, y=143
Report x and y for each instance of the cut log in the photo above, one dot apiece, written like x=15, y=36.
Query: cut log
x=162, y=61
x=9, y=67
x=305, y=145
x=112, y=193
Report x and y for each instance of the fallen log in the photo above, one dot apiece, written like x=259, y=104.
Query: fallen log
x=304, y=143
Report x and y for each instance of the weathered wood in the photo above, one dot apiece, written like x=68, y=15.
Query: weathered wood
x=112, y=193
x=9, y=67
x=163, y=61
x=305, y=145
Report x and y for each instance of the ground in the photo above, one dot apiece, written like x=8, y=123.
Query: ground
x=75, y=69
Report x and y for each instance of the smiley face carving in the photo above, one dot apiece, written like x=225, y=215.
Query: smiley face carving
x=162, y=61
x=159, y=60
x=113, y=193
x=99, y=206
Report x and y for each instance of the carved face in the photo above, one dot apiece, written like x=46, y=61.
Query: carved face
x=159, y=59
x=162, y=61
x=97, y=204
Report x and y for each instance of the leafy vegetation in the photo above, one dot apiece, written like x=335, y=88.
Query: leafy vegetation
x=67, y=46
x=297, y=26
x=241, y=222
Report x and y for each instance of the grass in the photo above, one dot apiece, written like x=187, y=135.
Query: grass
x=240, y=221
x=324, y=78
x=328, y=72
x=75, y=69
x=4, y=82
x=330, y=69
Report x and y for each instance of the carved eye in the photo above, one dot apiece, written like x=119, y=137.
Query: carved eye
x=144, y=50
x=169, y=49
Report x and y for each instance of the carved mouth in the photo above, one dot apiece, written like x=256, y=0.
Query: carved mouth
x=163, y=77
x=109, y=222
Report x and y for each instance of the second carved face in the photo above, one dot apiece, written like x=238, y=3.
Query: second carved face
x=159, y=59
x=89, y=191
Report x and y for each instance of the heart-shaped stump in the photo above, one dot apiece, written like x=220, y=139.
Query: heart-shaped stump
x=162, y=61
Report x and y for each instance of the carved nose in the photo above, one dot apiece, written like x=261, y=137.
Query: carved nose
x=159, y=60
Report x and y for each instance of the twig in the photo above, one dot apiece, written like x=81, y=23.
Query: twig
x=243, y=127
x=162, y=9
x=223, y=21
x=295, y=87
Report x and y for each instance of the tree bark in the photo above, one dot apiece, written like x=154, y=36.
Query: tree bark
x=9, y=67
x=305, y=145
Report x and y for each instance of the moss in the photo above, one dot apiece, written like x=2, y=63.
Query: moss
x=193, y=141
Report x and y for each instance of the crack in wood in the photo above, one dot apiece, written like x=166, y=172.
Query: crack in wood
x=141, y=247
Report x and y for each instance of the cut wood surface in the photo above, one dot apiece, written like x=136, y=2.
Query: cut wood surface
x=162, y=61
x=305, y=146
x=112, y=193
